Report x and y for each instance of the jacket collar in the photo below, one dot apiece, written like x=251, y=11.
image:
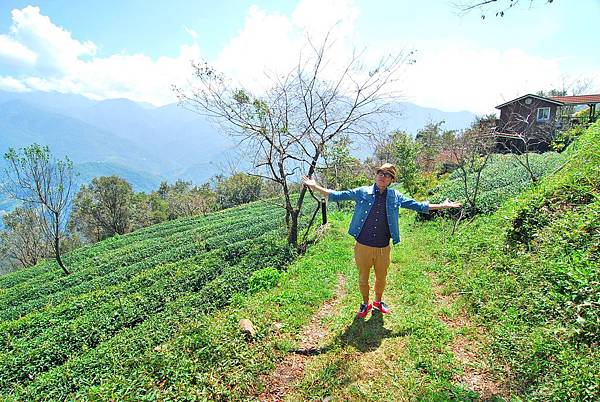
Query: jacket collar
x=371, y=189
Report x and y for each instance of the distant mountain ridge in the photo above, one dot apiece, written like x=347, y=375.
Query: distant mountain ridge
x=143, y=143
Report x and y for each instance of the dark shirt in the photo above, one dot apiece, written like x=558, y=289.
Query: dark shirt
x=376, y=231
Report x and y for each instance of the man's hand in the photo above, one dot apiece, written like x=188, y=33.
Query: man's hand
x=447, y=204
x=308, y=182
x=311, y=183
x=450, y=204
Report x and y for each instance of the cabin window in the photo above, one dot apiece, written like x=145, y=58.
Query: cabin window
x=543, y=114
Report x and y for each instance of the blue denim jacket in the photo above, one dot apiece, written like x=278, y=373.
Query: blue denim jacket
x=365, y=197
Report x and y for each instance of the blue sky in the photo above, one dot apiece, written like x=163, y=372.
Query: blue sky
x=136, y=48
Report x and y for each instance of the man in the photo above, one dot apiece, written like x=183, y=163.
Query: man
x=374, y=222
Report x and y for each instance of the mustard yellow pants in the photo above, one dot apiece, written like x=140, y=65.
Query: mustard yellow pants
x=367, y=257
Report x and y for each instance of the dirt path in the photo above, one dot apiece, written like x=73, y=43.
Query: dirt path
x=466, y=350
x=291, y=369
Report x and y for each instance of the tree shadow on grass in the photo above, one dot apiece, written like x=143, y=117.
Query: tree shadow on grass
x=367, y=335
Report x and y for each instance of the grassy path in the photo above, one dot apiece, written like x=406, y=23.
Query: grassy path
x=426, y=349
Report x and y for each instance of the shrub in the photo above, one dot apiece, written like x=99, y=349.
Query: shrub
x=265, y=278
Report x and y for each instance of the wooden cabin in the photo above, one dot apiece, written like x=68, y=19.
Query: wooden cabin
x=530, y=122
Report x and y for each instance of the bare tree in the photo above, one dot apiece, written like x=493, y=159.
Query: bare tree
x=285, y=130
x=43, y=183
x=499, y=7
x=523, y=135
x=472, y=149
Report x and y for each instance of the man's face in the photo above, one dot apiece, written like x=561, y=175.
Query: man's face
x=383, y=179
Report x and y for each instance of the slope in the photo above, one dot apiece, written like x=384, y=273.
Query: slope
x=60, y=335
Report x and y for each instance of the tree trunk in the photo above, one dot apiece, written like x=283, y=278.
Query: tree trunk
x=58, y=259
x=293, y=229
x=57, y=246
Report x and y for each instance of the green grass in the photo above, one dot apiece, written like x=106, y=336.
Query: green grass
x=530, y=274
x=402, y=356
x=208, y=359
x=61, y=335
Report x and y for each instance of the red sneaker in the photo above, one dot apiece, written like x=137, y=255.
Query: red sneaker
x=363, y=310
x=381, y=306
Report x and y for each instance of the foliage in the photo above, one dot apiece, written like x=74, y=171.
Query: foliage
x=185, y=200
x=402, y=150
x=471, y=151
x=238, y=189
x=342, y=170
x=102, y=208
x=530, y=274
x=566, y=137
x=23, y=238
x=147, y=210
x=265, y=278
x=500, y=181
x=432, y=139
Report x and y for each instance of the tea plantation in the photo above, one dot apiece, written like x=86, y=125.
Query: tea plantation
x=62, y=334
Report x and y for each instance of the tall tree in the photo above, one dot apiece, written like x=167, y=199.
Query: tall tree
x=184, y=199
x=287, y=128
x=430, y=141
x=238, y=189
x=340, y=169
x=42, y=182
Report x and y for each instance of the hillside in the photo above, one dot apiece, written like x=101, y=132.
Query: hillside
x=506, y=308
x=127, y=295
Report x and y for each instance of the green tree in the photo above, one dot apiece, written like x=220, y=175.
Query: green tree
x=429, y=139
x=401, y=149
x=238, y=189
x=185, y=200
x=43, y=183
x=24, y=239
x=341, y=170
x=103, y=208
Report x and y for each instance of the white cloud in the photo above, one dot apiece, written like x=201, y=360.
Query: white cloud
x=318, y=17
x=12, y=85
x=56, y=50
x=54, y=61
x=448, y=75
x=191, y=32
x=271, y=43
x=460, y=76
x=15, y=54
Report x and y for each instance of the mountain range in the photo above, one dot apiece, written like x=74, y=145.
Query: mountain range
x=140, y=142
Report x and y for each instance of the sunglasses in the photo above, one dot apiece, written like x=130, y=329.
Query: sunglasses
x=384, y=174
